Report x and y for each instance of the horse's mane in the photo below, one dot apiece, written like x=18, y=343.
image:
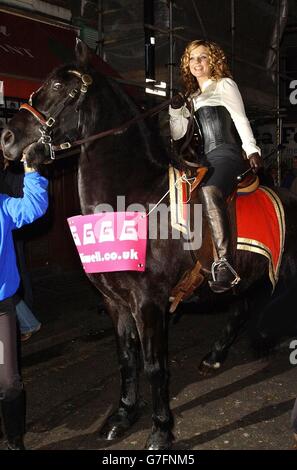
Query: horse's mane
x=148, y=136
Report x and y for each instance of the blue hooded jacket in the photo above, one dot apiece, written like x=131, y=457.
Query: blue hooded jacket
x=14, y=213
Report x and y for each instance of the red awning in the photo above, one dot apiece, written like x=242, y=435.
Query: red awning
x=30, y=49
x=20, y=88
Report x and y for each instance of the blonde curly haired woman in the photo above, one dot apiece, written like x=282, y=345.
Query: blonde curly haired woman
x=222, y=122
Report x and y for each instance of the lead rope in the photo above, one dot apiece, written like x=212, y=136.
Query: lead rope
x=183, y=178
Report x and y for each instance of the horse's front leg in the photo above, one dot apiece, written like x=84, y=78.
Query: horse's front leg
x=128, y=355
x=153, y=332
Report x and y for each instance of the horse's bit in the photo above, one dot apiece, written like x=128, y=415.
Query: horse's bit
x=47, y=124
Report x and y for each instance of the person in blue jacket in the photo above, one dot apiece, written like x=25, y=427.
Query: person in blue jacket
x=14, y=213
x=11, y=183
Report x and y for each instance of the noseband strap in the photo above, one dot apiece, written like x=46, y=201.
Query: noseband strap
x=40, y=118
x=47, y=124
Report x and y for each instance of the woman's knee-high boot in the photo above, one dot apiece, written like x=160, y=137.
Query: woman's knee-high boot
x=215, y=207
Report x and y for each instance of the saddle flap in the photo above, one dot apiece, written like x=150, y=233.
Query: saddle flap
x=201, y=172
x=189, y=282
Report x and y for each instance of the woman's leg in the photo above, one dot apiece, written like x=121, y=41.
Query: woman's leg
x=225, y=164
x=27, y=321
x=12, y=400
x=216, y=212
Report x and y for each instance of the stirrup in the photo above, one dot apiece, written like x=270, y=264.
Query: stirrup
x=228, y=265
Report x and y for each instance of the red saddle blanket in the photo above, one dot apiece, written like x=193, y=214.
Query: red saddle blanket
x=261, y=227
x=260, y=220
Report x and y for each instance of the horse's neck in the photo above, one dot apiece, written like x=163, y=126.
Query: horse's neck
x=112, y=171
x=122, y=164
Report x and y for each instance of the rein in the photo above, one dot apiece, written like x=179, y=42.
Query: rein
x=115, y=130
x=46, y=125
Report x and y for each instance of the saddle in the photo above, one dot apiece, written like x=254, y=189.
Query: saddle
x=194, y=277
x=249, y=184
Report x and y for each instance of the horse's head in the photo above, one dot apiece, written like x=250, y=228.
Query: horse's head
x=52, y=115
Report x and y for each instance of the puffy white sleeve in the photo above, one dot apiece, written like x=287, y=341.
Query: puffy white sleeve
x=232, y=100
x=178, y=120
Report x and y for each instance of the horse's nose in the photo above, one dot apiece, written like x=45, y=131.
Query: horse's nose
x=7, y=138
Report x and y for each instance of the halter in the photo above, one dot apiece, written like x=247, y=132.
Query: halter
x=46, y=125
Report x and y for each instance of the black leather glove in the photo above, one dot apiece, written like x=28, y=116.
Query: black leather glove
x=255, y=161
x=178, y=101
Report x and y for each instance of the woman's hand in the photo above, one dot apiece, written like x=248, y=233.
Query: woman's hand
x=255, y=161
x=27, y=168
x=35, y=155
x=178, y=101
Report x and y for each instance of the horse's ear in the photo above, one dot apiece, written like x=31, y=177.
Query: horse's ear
x=82, y=53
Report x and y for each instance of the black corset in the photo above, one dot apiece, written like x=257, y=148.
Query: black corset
x=216, y=126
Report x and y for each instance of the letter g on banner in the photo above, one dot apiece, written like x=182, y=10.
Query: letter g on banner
x=293, y=94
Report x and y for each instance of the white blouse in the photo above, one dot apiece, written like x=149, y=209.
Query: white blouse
x=223, y=92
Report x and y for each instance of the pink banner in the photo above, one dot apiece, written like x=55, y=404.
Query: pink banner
x=110, y=241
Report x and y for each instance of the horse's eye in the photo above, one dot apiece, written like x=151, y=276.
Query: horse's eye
x=57, y=86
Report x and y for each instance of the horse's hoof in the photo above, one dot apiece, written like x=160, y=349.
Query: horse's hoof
x=160, y=441
x=159, y=447
x=114, y=433
x=117, y=424
x=207, y=369
x=110, y=432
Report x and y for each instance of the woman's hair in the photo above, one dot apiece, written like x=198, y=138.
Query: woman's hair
x=217, y=63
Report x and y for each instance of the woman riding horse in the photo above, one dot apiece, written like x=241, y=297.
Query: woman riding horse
x=218, y=106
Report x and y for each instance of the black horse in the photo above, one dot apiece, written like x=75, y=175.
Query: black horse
x=76, y=100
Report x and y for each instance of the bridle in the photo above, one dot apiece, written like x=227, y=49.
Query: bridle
x=46, y=125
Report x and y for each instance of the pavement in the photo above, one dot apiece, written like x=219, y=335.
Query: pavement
x=68, y=306
x=71, y=376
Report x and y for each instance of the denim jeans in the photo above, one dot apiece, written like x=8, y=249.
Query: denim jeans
x=27, y=321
